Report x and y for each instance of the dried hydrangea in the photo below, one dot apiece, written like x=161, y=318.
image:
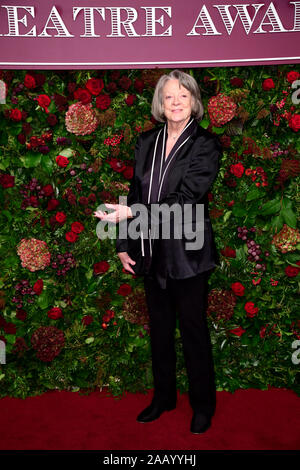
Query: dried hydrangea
x=287, y=239
x=48, y=341
x=221, y=109
x=221, y=304
x=34, y=254
x=81, y=119
x=135, y=307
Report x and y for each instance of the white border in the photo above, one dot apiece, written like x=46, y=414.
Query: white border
x=153, y=63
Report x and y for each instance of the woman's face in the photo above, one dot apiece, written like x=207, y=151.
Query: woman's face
x=177, y=102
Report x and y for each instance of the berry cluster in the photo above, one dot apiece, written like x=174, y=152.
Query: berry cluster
x=63, y=263
x=254, y=249
x=33, y=192
x=23, y=288
x=114, y=140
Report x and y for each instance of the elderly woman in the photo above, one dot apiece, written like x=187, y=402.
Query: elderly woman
x=175, y=164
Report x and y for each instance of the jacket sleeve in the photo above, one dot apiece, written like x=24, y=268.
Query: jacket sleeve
x=132, y=198
x=197, y=180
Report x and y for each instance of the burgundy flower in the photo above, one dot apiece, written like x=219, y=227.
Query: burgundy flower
x=7, y=181
x=268, y=84
x=29, y=81
x=15, y=115
x=103, y=102
x=83, y=95
x=95, y=85
x=101, y=267
x=38, y=286
x=124, y=289
x=238, y=288
x=71, y=237
x=21, y=314
x=52, y=204
x=62, y=161
x=55, y=313
x=77, y=227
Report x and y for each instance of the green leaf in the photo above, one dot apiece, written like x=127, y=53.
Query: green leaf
x=277, y=223
x=31, y=160
x=44, y=300
x=67, y=153
x=90, y=340
x=271, y=207
x=289, y=217
x=218, y=130
x=254, y=194
x=47, y=163
x=204, y=123
x=239, y=211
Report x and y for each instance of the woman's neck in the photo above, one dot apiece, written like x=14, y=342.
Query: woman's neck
x=175, y=128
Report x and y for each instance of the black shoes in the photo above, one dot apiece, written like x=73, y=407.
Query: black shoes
x=200, y=423
x=154, y=411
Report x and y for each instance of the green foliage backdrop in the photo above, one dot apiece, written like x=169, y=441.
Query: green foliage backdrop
x=71, y=317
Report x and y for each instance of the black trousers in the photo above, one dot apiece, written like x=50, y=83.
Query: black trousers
x=188, y=297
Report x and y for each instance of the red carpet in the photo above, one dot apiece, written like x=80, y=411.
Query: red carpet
x=245, y=420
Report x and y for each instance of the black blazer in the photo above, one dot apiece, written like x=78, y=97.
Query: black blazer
x=192, y=173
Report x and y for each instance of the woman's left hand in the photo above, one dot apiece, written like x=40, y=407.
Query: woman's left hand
x=121, y=213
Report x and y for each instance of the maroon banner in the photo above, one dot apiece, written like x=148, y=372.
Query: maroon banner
x=134, y=34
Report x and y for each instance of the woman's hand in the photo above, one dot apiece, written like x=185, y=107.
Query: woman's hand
x=126, y=261
x=121, y=213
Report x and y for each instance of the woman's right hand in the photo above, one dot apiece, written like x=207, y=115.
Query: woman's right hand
x=126, y=261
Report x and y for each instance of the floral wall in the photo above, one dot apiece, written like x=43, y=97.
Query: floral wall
x=70, y=316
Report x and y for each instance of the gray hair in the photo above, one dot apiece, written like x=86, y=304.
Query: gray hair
x=185, y=80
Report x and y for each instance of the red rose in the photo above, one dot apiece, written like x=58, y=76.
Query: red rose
x=15, y=115
x=83, y=200
x=21, y=138
x=21, y=314
x=55, y=313
x=51, y=119
x=237, y=82
x=125, y=82
x=38, y=286
x=101, y=267
x=111, y=87
x=77, y=227
x=7, y=181
x=292, y=76
x=124, y=289
x=139, y=85
x=291, y=271
x=10, y=328
x=48, y=190
x=83, y=95
x=237, y=331
x=268, y=84
x=103, y=101
x=52, y=204
x=62, y=161
x=229, y=252
x=71, y=236
x=60, y=217
x=294, y=122
x=43, y=101
x=237, y=170
x=95, y=85
x=238, y=288
x=130, y=100
x=29, y=81
x=87, y=319
x=128, y=172
x=117, y=165
x=250, y=309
